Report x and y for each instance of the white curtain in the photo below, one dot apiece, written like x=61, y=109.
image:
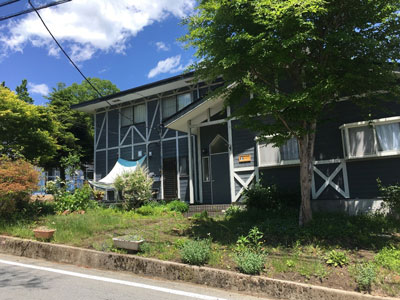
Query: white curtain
x=168, y=107
x=139, y=112
x=290, y=150
x=361, y=141
x=126, y=116
x=388, y=136
x=269, y=155
x=184, y=100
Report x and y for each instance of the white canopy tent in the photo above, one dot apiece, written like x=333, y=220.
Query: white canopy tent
x=120, y=167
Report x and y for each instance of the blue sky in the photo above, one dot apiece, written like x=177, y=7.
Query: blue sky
x=129, y=42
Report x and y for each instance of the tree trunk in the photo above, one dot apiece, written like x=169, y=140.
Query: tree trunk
x=306, y=153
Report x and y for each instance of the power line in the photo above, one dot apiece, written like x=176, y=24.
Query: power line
x=28, y=10
x=65, y=53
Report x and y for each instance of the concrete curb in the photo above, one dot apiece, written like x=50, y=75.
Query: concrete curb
x=263, y=286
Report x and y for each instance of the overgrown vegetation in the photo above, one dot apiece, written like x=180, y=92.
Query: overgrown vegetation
x=135, y=187
x=390, y=196
x=251, y=241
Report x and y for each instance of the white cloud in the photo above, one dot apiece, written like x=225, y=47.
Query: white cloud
x=169, y=65
x=41, y=89
x=87, y=26
x=161, y=46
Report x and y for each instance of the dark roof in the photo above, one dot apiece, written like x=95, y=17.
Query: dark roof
x=135, y=89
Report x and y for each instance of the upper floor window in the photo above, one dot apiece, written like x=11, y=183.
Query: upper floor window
x=269, y=155
x=133, y=114
x=173, y=104
x=374, y=138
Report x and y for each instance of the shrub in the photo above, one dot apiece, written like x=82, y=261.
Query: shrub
x=135, y=187
x=365, y=275
x=251, y=242
x=151, y=210
x=178, y=206
x=79, y=200
x=389, y=258
x=390, y=196
x=336, y=258
x=249, y=262
x=233, y=210
x=262, y=198
x=18, y=178
x=196, y=252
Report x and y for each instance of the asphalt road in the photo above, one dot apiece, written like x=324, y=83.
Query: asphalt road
x=24, y=278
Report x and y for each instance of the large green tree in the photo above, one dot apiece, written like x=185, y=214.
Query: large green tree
x=22, y=92
x=296, y=58
x=26, y=129
x=76, y=129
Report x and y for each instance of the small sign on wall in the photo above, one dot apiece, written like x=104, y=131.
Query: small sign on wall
x=244, y=158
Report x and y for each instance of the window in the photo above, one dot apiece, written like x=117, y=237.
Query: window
x=374, y=138
x=133, y=114
x=173, y=104
x=183, y=166
x=206, y=169
x=139, y=113
x=269, y=155
x=218, y=145
x=126, y=116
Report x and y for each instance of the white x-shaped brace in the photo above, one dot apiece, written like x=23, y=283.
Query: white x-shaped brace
x=329, y=181
x=242, y=183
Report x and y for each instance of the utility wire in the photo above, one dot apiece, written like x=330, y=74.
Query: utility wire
x=65, y=53
x=26, y=11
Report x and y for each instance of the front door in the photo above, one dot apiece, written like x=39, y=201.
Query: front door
x=170, y=180
x=220, y=182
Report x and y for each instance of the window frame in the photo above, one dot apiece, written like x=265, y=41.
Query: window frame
x=133, y=121
x=373, y=123
x=203, y=173
x=176, y=103
x=282, y=162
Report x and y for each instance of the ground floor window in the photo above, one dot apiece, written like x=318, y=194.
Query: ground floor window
x=371, y=138
x=270, y=155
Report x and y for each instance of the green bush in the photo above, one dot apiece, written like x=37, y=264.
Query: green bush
x=262, y=198
x=178, y=206
x=365, y=275
x=79, y=200
x=135, y=187
x=389, y=258
x=233, y=210
x=151, y=210
x=253, y=241
x=336, y=258
x=390, y=196
x=196, y=252
x=249, y=262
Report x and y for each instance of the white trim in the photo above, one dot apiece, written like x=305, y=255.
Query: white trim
x=213, y=142
x=137, y=130
x=119, y=132
x=200, y=166
x=154, y=118
x=244, y=169
x=329, y=181
x=215, y=122
x=230, y=150
x=191, y=194
x=125, y=136
x=94, y=147
x=248, y=181
x=178, y=172
x=371, y=122
x=101, y=130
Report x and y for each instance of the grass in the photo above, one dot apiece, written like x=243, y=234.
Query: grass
x=292, y=253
